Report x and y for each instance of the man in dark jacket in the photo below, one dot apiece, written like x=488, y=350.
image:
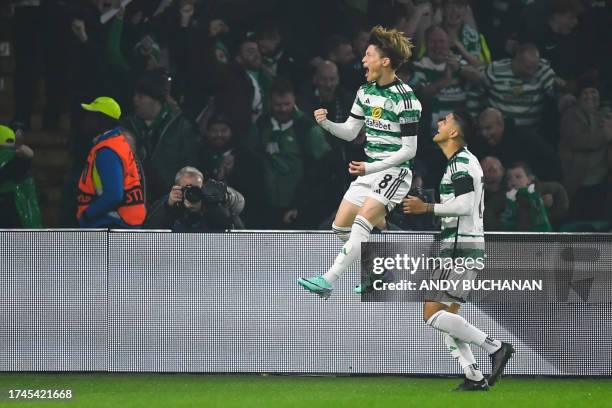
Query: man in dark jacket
x=196, y=205
x=501, y=139
x=165, y=139
x=294, y=156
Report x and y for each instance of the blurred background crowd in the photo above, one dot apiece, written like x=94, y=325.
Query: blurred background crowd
x=227, y=88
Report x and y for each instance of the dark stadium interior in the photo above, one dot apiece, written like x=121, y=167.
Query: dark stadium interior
x=210, y=63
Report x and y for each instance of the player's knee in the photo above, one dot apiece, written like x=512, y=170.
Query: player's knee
x=343, y=233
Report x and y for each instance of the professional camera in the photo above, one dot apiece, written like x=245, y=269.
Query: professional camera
x=193, y=194
x=213, y=192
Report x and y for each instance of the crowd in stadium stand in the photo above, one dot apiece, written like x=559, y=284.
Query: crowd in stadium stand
x=229, y=87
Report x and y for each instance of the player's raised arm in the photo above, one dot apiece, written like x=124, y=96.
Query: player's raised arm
x=349, y=129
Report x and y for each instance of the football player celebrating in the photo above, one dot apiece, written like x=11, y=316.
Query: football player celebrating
x=461, y=211
x=391, y=112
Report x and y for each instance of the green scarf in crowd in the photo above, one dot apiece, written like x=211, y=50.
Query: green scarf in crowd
x=24, y=192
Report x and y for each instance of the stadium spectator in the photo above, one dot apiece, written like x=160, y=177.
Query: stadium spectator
x=242, y=90
x=525, y=209
x=206, y=66
x=110, y=190
x=557, y=39
x=464, y=39
x=131, y=48
x=495, y=192
x=196, y=204
x=89, y=72
x=339, y=49
x=277, y=58
x=501, y=139
x=37, y=29
x=500, y=22
x=165, y=139
x=410, y=17
x=586, y=137
x=325, y=93
x=555, y=200
x=519, y=87
x=596, y=27
x=218, y=156
x=224, y=160
x=292, y=150
x=18, y=202
x=359, y=41
x=340, y=52
x=439, y=77
x=181, y=27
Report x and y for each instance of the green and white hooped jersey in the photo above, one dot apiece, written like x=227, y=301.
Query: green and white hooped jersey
x=520, y=100
x=463, y=236
x=449, y=98
x=384, y=110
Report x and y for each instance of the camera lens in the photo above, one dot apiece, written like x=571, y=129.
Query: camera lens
x=192, y=194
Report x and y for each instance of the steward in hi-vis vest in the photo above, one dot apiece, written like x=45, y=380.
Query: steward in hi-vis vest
x=111, y=187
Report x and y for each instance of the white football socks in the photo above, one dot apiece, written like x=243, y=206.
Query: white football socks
x=462, y=330
x=360, y=232
x=463, y=354
x=343, y=233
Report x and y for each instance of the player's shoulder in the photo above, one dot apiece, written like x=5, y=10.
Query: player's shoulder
x=464, y=162
x=406, y=98
x=366, y=87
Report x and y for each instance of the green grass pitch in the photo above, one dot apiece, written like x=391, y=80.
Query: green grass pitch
x=227, y=391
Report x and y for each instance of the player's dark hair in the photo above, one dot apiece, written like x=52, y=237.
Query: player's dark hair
x=281, y=86
x=522, y=165
x=393, y=44
x=466, y=124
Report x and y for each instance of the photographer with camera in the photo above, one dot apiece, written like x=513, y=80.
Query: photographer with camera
x=197, y=205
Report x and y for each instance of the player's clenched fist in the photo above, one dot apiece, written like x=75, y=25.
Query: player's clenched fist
x=357, y=168
x=414, y=205
x=320, y=115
